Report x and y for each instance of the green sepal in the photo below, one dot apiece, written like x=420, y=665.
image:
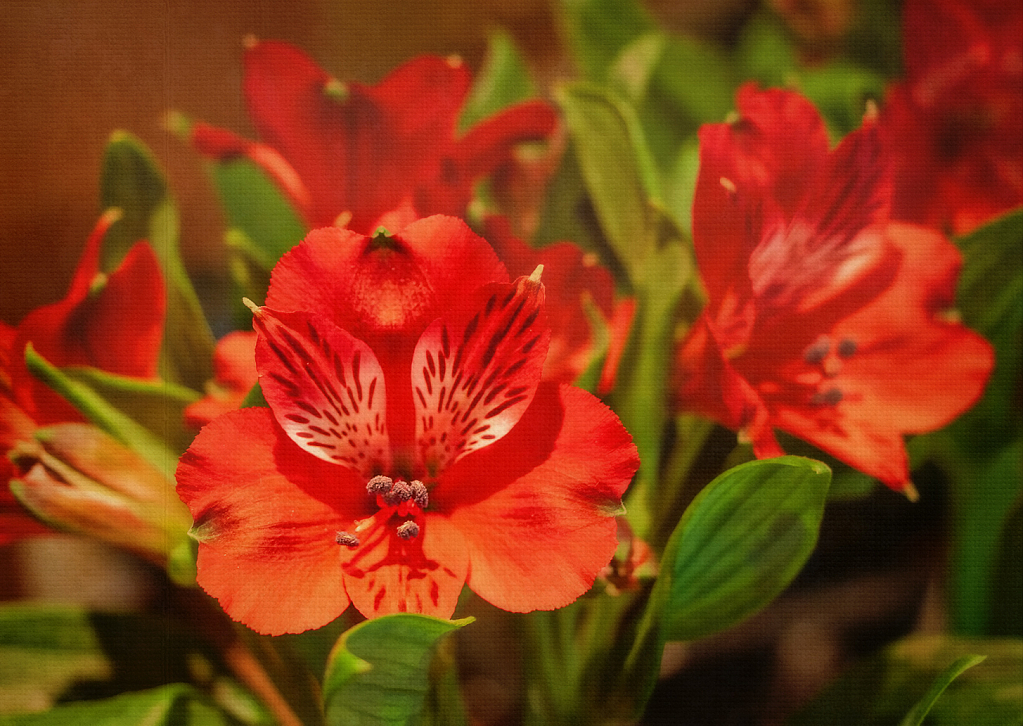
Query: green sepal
x=378, y=673
x=132, y=181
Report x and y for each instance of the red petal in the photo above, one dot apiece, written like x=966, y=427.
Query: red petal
x=537, y=509
x=769, y=156
x=384, y=289
x=266, y=515
x=475, y=370
x=389, y=575
x=488, y=144
x=325, y=388
x=225, y=145
x=234, y=368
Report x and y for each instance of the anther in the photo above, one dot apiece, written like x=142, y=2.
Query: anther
x=400, y=492
x=846, y=348
x=347, y=539
x=409, y=530
x=379, y=485
x=817, y=351
x=828, y=397
x=420, y=494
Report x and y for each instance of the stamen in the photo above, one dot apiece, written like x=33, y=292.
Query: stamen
x=400, y=492
x=347, y=539
x=817, y=351
x=409, y=530
x=379, y=485
x=846, y=348
x=829, y=397
x=420, y=494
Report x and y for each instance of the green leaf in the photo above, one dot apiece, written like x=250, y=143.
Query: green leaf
x=1007, y=595
x=990, y=298
x=617, y=169
x=88, y=391
x=255, y=205
x=502, y=81
x=765, y=50
x=739, y=544
x=378, y=673
x=840, y=91
x=916, y=716
x=58, y=653
x=132, y=181
x=597, y=30
x=884, y=688
x=173, y=705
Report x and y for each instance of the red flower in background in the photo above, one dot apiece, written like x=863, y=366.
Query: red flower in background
x=823, y=319
x=234, y=375
x=365, y=156
x=410, y=446
x=574, y=279
x=955, y=124
x=113, y=322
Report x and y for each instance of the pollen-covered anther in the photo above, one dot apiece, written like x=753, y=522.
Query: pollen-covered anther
x=420, y=494
x=828, y=397
x=817, y=351
x=408, y=530
x=347, y=539
x=399, y=493
x=379, y=485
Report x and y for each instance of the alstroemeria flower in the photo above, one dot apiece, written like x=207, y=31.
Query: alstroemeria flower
x=955, y=124
x=410, y=446
x=363, y=156
x=575, y=280
x=823, y=319
x=113, y=322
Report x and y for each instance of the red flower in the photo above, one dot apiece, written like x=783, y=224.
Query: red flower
x=234, y=371
x=113, y=322
x=364, y=156
x=823, y=319
x=956, y=123
x=409, y=447
x=574, y=279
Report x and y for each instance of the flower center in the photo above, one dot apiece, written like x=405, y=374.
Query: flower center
x=395, y=498
x=827, y=355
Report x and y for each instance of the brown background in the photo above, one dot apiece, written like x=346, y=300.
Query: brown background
x=75, y=70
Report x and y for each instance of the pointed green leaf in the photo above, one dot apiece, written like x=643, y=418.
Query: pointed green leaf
x=990, y=297
x=132, y=181
x=597, y=30
x=739, y=544
x=255, y=205
x=886, y=687
x=502, y=80
x=619, y=174
x=87, y=390
x=916, y=716
x=378, y=673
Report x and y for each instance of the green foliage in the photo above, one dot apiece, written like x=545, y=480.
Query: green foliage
x=378, y=673
x=132, y=181
x=502, y=81
x=50, y=654
x=124, y=408
x=739, y=544
x=597, y=30
x=902, y=680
